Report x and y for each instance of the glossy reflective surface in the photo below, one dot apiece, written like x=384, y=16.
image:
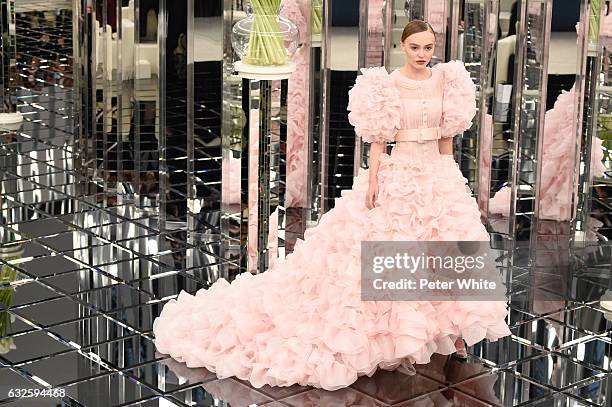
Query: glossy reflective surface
x=85, y=270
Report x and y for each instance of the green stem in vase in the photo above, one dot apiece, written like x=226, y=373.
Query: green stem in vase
x=253, y=46
x=277, y=36
x=5, y=317
x=262, y=46
x=316, y=17
x=7, y=276
x=594, y=21
x=266, y=43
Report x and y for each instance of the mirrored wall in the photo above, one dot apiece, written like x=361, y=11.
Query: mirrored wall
x=238, y=168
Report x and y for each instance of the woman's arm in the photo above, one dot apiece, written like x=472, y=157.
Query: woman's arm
x=445, y=145
x=376, y=150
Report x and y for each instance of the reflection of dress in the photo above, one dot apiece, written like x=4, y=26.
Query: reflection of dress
x=556, y=178
x=470, y=378
x=303, y=321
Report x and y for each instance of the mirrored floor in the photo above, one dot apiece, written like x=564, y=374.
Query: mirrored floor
x=82, y=285
x=83, y=276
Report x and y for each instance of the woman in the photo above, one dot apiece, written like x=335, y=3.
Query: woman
x=303, y=321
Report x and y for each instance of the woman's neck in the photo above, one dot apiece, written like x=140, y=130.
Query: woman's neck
x=417, y=75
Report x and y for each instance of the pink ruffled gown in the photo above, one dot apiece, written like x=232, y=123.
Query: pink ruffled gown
x=303, y=322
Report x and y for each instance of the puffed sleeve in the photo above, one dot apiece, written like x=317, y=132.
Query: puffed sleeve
x=375, y=106
x=458, y=100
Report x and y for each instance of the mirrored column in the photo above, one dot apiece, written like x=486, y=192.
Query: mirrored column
x=8, y=56
x=302, y=98
x=373, y=40
x=486, y=82
x=339, y=66
x=592, y=211
x=264, y=102
x=206, y=82
x=474, y=41
x=255, y=149
x=318, y=114
x=531, y=75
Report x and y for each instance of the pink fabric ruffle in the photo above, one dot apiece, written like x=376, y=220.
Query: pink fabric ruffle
x=375, y=16
x=375, y=106
x=556, y=185
x=459, y=99
x=500, y=203
x=296, y=12
x=556, y=180
x=437, y=15
x=303, y=321
x=233, y=188
x=298, y=132
x=606, y=26
x=598, y=168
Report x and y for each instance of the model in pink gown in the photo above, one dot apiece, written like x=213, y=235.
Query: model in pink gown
x=303, y=321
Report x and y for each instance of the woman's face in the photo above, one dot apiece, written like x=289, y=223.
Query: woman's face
x=419, y=49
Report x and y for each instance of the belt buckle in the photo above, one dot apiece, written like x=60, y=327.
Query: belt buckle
x=420, y=136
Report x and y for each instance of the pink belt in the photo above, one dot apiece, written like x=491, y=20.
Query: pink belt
x=418, y=135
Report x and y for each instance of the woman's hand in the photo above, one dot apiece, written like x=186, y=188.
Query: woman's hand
x=371, y=195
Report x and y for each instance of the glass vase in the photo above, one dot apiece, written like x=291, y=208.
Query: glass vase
x=264, y=38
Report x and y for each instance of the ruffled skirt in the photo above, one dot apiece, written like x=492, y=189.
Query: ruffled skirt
x=303, y=321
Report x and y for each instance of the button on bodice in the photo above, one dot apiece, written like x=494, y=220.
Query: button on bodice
x=422, y=100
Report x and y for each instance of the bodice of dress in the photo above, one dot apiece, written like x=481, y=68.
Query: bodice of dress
x=422, y=104
x=421, y=99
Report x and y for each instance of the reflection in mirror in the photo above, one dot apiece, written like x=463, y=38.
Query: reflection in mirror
x=302, y=96
x=133, y=132
x=107, y=86
x=521, y=77
x=317, y=190
x=497, y=142
x=40, y=74
x=176, y=121
x=558, y=163
x=340, y=59
x=593, y=209
x=234, y=169
x=8, y=56
x=265, y=147
x=398, y=20
x=11, y=213
x=143, y=101
x=475, y=52
x=531, y=64
x=204, y=136
x=549, y=168
x=131, y=71
x=485, y=83
x=495, y=98
x=372, y=14
x=319, y=115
